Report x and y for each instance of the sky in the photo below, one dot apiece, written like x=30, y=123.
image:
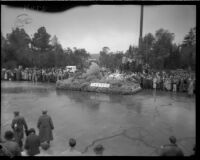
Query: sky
x=96, y=26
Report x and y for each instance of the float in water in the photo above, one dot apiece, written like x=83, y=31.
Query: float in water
x=94, y=81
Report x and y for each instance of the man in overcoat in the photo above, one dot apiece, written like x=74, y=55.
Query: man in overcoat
x=45, y=126
x=18, y=125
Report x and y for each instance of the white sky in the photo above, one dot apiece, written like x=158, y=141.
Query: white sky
x=96, y=26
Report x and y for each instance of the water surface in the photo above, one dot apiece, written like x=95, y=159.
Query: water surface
x=126, y=125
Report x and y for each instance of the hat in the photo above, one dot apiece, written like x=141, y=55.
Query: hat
x=99, y=148
x=172, y=139
x=16, y=112
x=72, y=142
x=31, y=130
x=44, y=111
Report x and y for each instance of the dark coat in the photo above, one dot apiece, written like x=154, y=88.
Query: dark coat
x=13, y=148
x=18, y=75
x=21, y=124
x=4, y=151
x=32, y=144
x=171, y=150
x=45, y=126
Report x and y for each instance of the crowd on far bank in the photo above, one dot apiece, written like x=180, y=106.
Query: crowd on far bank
x=176, y=81
x=34, y=74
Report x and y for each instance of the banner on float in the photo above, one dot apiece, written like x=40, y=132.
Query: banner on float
x=104, y=85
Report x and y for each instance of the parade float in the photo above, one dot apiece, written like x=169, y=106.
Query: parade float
x=94, y=80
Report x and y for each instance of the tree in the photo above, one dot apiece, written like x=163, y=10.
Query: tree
x=106, y=49
x=79, y=57
x=18, y=38
x=110, y=60
x=190, y=38
x=19, y=49
x=173, y=60
x=118, y=59
x=104, y=57
x=58, y=52
x=3, y=46
x=18, y=46
x=188, y=49
x=161, y=48
x=41, y=40
x=131, y=52
x=146, y=47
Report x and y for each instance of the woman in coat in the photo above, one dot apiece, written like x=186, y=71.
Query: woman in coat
x=32, y=143
x=45, y=126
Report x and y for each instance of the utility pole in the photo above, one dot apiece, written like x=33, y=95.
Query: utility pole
x=140, y=36
x=141, y=25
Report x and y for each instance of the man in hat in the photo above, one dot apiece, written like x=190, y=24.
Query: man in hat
x=45, y=126
x=71, y=151
x=18, y=125
x=171, y=149
x=32, y=143
x=98, y=150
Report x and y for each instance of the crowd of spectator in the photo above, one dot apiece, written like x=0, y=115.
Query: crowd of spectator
x=34, y=74
x=176, y=81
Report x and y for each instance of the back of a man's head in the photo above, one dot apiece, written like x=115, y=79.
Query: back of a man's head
x=99, y=149
x=31, y=130
x=44, y=111
x=72, y=142
x=172, y=139
x=8, y=135
x=16, y=113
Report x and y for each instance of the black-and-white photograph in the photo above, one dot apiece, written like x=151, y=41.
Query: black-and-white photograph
x=98, y=80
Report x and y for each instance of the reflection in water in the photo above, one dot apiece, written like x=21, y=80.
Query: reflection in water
x=82, y=98
x=136, y=107
x=25, y=90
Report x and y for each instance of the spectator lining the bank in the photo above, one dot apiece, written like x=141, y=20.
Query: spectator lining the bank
x=191, y=86
x=171, y=81
x=71, y=151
